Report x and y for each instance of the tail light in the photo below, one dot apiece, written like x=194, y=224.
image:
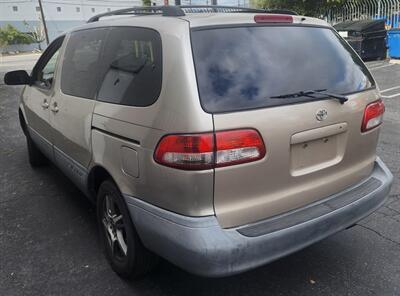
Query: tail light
x=373, y=115
x=210, y=150
x=238, y=146
x=188, y=152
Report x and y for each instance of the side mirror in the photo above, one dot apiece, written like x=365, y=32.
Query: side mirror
x=19, y=77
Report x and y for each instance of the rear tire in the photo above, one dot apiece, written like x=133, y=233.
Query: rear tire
x=35, y=156
x=122, y=246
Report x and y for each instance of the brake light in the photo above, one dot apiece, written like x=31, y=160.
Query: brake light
x=373, y=115
x=188, y=152
x=204, y=151
x=273, y=18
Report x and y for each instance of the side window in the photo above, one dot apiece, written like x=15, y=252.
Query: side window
x=81, y=63
x=132, y=67
x=43, y=73
x=47, y=73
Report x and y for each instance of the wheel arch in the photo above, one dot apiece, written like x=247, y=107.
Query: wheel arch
x=97, y=175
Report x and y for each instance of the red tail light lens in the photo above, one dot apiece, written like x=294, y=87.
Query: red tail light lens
x=200, y=152
x=187, y=152
x=373, y=115
x=273, y=18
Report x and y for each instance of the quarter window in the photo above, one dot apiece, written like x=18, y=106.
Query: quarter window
x=43, y=73
x=47, y=74
x=81, y=63
x=132, y=73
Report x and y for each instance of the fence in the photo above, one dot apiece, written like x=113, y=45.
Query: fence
x=388, y=10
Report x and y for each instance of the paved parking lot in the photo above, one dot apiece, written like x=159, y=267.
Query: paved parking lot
x=49, y=244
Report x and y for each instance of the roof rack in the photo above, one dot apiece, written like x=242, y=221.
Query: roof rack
x=231, y=9
x=182, y=10
x=141, y=10
x=217, y=8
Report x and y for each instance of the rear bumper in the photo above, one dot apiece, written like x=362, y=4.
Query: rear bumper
x=199, y=245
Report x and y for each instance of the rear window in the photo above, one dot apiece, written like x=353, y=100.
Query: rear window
x=240, y=68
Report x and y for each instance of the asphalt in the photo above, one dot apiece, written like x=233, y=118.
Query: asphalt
x=49, y=243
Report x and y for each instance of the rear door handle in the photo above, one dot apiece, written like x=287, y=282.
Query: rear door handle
x=45, y=104
x=54, y=108
x=319, y=133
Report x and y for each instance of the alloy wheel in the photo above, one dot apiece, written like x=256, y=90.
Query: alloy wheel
x=114, y=228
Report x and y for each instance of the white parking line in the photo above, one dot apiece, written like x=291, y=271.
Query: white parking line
x=380, y=67
x=391, y=96
x=375, y=64
x=389, y=89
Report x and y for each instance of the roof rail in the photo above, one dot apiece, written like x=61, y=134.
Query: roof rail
x=182, y=10
x=218, y=8
x=141, y=10
x=232, y=9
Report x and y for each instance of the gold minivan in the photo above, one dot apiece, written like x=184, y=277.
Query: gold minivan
x=217, y=138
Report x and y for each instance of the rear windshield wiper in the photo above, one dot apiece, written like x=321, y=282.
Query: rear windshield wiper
x=309, y=93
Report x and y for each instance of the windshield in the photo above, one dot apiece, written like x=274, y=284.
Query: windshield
x=240, y=68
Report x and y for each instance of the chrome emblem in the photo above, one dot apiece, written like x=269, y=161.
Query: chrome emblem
x=321, y=115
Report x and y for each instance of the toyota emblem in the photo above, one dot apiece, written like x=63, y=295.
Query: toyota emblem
x=321, y=115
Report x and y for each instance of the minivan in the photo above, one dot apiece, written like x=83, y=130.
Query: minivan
x=219, y=139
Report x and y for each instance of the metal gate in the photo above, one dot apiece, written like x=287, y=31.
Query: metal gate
x=389, y=10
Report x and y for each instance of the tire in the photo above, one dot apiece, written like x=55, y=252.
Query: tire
x=35, y=156
x=122, y=246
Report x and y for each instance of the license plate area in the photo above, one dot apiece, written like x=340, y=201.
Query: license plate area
x=317, y=149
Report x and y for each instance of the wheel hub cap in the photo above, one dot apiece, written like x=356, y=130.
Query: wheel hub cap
x=114, y=228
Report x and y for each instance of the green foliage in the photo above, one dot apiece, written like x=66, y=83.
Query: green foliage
x=36, y=32
x=313, y=8
x=146, y=2
x=10, y=35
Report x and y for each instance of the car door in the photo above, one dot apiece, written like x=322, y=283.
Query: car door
x=72, y=105
x=38, y=95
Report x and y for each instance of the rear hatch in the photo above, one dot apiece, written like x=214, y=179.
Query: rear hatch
x=314, y=145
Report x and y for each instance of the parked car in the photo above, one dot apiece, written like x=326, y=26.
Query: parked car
x=218, y=140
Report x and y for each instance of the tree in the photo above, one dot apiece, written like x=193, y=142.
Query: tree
x=3, y=41
x=313, y=8
x=146, y=2
x=37, y=33
x=10, y=35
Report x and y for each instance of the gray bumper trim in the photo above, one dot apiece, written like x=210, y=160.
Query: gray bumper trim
x=312, y=211
x=199, y=245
